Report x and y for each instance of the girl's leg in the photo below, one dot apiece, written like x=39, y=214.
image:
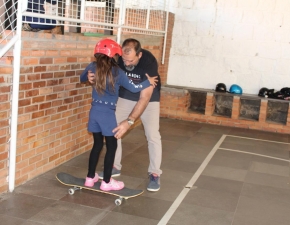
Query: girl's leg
x=95, y=153
x=108, y=183
x=111, y=144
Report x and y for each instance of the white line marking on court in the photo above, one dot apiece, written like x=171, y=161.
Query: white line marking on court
x=256, y=139
x=189, y=185
x=164, y=220
x=250, y=153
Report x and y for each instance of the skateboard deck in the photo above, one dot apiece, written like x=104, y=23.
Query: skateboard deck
x=78, y=183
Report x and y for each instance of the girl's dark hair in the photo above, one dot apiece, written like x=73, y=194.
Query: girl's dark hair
x=107, y=71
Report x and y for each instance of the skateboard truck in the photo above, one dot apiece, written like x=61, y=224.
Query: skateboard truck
x=72, y=190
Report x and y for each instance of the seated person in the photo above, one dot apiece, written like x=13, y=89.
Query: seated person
x=36, y=6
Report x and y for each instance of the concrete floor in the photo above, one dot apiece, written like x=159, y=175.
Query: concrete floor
x=212, y=175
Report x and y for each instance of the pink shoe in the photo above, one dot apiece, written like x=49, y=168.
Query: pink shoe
x=113, y=185
x=90, y=182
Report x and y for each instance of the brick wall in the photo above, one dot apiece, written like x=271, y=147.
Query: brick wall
x=5, y=77
x=175, y=103
x=53, y=105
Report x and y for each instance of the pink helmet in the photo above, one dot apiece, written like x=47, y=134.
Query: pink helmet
x=108, y=47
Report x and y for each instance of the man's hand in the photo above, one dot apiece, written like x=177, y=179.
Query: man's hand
x=91, y=77
x=121, y=129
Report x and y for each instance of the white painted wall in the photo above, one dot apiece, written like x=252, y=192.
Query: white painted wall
x=244, y=42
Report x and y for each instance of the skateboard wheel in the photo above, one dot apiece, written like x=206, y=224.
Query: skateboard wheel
x=71, y=191
x=118, y=201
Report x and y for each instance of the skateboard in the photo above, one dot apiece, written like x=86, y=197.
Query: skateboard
x=78, y=184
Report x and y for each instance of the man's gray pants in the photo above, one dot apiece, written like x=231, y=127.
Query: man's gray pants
x=150, y=121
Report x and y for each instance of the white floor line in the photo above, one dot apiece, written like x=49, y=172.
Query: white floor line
x=279, y=142
x=164, y=220
x=250, y=153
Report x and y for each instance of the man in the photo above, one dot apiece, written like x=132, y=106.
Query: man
x=137, y=62
x=36, y=24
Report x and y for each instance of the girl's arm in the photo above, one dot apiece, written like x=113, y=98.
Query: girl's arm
x=84, y=76
x=129, y=85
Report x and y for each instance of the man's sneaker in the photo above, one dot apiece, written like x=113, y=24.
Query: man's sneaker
x=115, y=173
x=27, y=27
x=113, y=185
x=90, y=182
x=154, y=183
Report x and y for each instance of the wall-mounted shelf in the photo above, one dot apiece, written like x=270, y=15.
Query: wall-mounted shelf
x=249, y=106
x=197, y=101
x=223, y=105
x=277, y=111
x=249, y=109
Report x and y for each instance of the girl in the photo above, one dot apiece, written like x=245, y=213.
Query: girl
x=106, y=82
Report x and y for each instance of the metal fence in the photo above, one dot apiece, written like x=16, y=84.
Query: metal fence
x=8, y=25
x=91, y=17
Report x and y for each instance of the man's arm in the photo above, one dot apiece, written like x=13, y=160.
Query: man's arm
x=139, y=108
